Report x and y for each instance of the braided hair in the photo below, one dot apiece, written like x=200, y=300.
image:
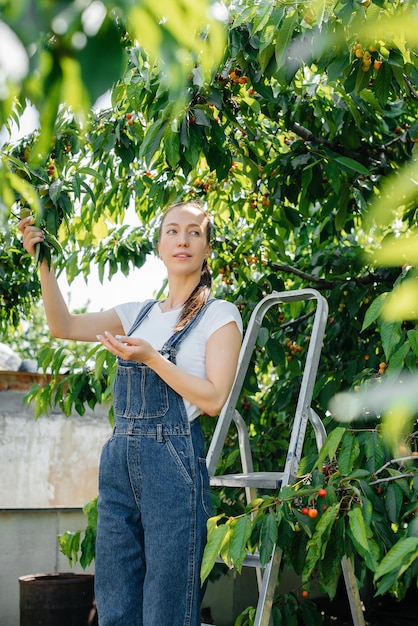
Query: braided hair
x=200, y=294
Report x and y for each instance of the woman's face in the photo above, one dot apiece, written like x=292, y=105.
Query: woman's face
x=183, y=244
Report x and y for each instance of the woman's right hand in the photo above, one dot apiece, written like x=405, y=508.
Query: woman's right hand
x=31, y=235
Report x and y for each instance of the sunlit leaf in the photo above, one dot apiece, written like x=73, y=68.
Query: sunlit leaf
x=405, y=27
x=398, y=251
x=397, y=191
x=100, y=230
x=397, y=419
x=402, y=303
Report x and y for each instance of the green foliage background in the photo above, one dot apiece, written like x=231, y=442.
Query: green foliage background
x=297, y=124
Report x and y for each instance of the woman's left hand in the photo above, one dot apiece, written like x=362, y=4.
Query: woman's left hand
x=127, y=348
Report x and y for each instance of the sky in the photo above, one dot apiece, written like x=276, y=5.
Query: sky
x=139, y=285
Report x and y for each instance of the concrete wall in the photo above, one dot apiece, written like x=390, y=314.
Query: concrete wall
x=48, y=471
x=50, y=462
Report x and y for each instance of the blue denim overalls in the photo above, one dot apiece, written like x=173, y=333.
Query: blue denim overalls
x=154, y=501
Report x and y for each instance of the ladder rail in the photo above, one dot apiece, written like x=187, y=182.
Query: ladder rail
x=303, y=407
x=228, y=410
x=318, y=427
x=245, y=452
x=250, y=338
x=268, y=588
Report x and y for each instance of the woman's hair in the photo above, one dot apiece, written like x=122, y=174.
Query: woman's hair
x=200, y=294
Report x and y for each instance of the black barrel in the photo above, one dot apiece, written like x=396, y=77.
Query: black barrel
x=62, y=599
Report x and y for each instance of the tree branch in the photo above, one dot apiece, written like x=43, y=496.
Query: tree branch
x=361, y=157
x=323, y=283
x=398, y=461
x=389, y=479
x=307, y=135
x=414, y=92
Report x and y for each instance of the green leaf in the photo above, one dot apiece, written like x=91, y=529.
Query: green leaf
x=239, y=537
x=52, y=85
x=264, y=9
x=225, y=551
x=51, y=241
x=330, y=446
x=100, y=360
x=358, y=527
x=296, y=552
x=69, y=543
x=394, y=499
x=284, y=37
x=382, y=83
x=374, y=450
x=265, y=55
x=212, y=550
x=390, y=333
x=348, y=453
x=55, y=190
x=330, y=566
x=397, y=359
x=98, y=76
x=387, y=583
x=172, y=149
x=88, y=547
x=91, y=172
x=152, y=140
x=309, y=614
x=368, y=96
x=374, y=311
x=304, y=522
x=405, y=551
x=350, y=165
x=262, y=337
x=317, y=545
x=268, y=537
x=413, y=340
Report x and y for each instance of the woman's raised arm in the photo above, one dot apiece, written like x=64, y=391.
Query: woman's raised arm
x=62, y=323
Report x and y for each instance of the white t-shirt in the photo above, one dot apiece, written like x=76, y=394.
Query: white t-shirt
x=157, y=327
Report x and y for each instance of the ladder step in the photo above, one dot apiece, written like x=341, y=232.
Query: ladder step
x=260, y=480
x=251, y=560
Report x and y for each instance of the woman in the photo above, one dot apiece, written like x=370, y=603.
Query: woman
x=176, y=359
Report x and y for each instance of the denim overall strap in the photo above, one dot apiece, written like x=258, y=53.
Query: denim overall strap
x=172, y=345
x=141, y=315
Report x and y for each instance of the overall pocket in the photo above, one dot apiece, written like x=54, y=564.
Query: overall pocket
x=139, y=392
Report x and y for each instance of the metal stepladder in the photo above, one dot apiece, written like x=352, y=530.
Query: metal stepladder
x=249, y=480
